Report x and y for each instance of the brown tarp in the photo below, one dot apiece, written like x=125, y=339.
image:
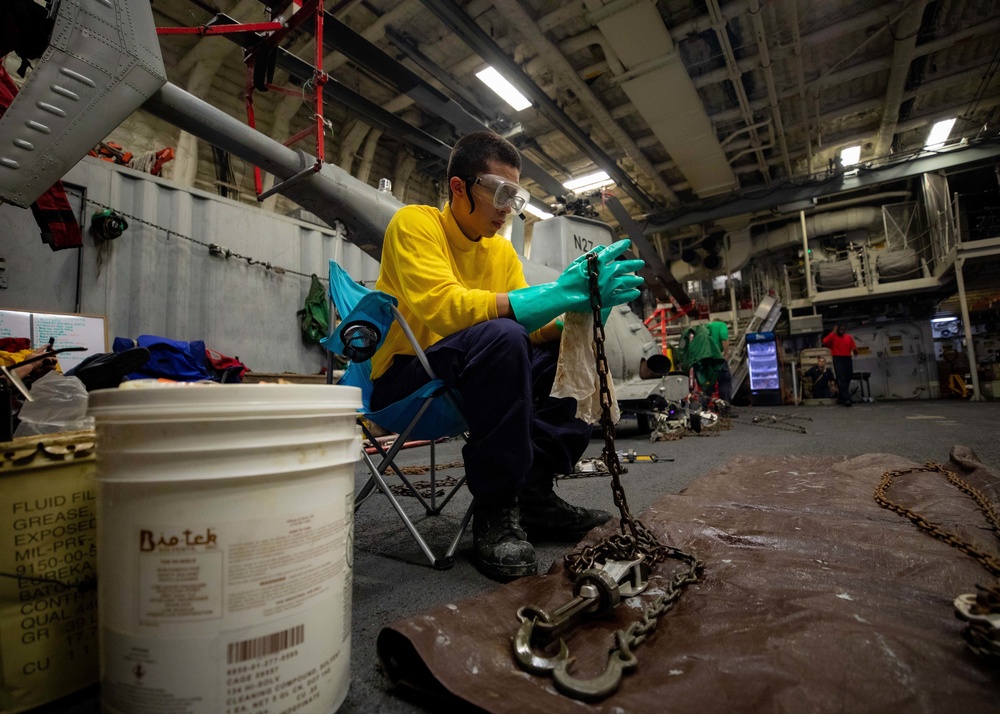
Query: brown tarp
x=814, y=599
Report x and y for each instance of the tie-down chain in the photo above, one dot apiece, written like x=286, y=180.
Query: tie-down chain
x=616, y=567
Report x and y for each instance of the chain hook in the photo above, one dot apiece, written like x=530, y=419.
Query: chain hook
x=525, y=654
x=603, y=685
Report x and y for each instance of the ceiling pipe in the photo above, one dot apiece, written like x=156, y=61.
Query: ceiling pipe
x=440, y=78
x=838, y=141
x=928, y=48
x=743, y=247
x=936, y=116
x=882, y=196
x=902, y=55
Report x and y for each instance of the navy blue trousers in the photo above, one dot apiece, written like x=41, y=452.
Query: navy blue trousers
x=517, y=431
x=844, y=368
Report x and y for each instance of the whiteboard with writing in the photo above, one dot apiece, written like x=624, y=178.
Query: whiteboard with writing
x=65, y=329
x=15, y=324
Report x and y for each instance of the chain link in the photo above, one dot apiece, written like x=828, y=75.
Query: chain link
x=987, y=561
x=982, y=638
x=773, y=421
x=424, y=488
x=635, y=538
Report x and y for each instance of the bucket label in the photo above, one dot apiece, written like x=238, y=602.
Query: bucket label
x=180, y=576
x=257, y=605
x=48, y=599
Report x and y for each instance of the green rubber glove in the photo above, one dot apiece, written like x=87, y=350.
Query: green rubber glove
x=536, y=305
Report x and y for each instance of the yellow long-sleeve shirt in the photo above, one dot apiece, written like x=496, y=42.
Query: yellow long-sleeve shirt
x=444, y=282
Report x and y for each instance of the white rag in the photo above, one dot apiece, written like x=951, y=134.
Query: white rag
x=576, y=371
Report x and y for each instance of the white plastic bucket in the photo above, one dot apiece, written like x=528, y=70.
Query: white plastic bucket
x=225, y=518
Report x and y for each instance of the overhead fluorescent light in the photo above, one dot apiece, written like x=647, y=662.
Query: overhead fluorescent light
x=537, y=211
x=589, y=182
x=939, y=134
x=850, y=156
x=493, y=79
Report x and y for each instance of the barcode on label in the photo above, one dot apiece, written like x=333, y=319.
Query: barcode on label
x=266, y=645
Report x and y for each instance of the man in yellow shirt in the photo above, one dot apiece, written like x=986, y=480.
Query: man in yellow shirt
x=495, y=339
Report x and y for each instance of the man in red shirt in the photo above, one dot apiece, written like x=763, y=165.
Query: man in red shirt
x=843, y=349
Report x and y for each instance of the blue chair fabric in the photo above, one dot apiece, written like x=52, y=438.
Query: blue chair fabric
x=430, y=413
x=376, y=311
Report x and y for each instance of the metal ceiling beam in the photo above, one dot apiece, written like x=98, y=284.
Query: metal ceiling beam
x=736, y=81
x=657, y=273
x=801, y=196
x=408, y=46
x=466, y=28
x=340, y=37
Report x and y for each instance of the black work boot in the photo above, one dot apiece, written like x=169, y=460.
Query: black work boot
x=545, y=516
x=502, y=551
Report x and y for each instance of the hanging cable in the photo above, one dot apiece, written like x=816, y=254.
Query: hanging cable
x=214, y=249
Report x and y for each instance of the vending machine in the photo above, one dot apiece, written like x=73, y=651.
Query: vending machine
x=765, y=372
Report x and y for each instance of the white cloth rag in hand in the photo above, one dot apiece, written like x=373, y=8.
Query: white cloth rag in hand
x=576, y=371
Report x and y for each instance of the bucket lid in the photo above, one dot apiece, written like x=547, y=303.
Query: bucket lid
x=223, y=400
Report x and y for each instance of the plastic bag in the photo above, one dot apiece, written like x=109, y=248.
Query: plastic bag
x=60, y=404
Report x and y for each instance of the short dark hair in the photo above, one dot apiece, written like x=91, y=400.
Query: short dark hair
x=473, y=152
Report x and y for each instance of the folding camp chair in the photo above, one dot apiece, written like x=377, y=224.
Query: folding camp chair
x=431, y=413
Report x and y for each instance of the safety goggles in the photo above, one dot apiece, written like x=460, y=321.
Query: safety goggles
x=504, y=193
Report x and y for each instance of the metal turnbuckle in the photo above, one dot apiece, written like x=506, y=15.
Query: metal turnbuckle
x=597, y=592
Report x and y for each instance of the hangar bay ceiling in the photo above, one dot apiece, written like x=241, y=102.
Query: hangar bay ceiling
x=698, y=110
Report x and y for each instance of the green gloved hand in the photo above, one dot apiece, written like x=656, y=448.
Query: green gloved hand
x=536, y=305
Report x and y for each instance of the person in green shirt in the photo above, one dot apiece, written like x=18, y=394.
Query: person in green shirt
x=719, y=332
